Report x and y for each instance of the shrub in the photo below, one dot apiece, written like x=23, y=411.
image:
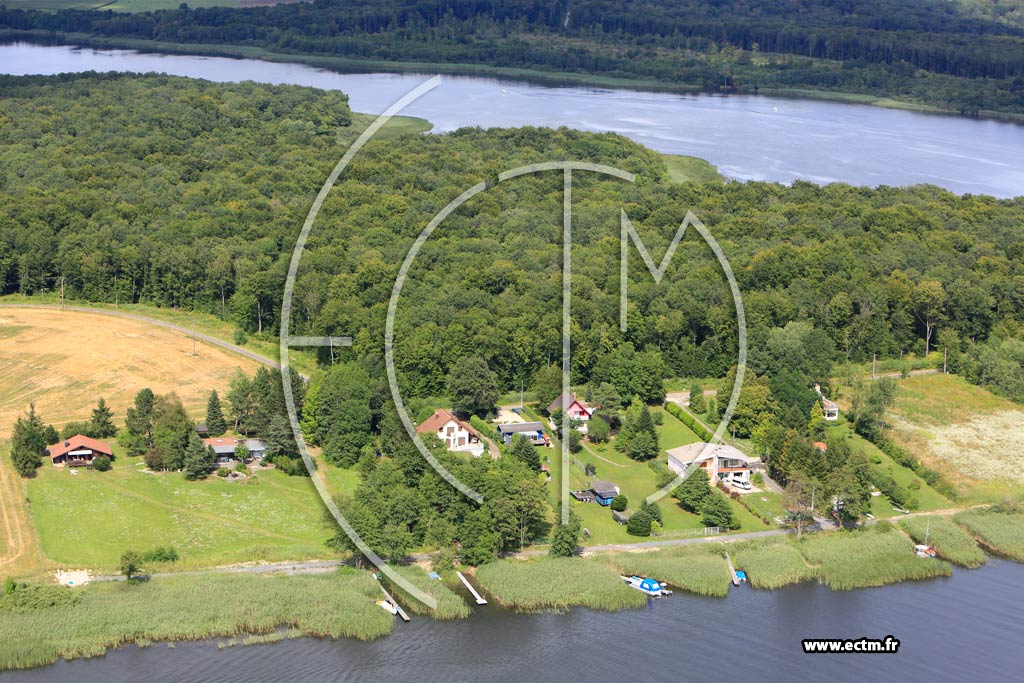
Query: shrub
x=716, y=512
x=589, y=469
x=222, y=472
x=675, y=411
x=240, y=337
x=619, y=503
x=240, y=467
x=101, y=463
x=161, y=554
x=639, y=524
x=657, y=417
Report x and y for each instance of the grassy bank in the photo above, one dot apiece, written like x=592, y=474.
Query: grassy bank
x=699, y=569
x=682, y=169
x=557, y=584
x=949, y=540
x=870, y=557
x=1001, y=532
x=191, y=608
x=772, y=564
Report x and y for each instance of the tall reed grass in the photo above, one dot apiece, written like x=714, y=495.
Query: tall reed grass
x=1003, y=532
x=557, y=584
x=449, y=604
x=859, y=559
x=950, y=541
x=191, y=608
x=772, y=564
x=699, y=569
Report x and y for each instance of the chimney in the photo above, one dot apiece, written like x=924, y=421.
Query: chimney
x=67, y=443
x=817, y=388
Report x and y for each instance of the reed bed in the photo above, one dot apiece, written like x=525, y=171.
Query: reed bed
x=449, y=604
x=869, y=557
x=699, y=569
x=557, y=584
x=772, y=564
x=950, y=541
x=192, y=608
x=1002, y=532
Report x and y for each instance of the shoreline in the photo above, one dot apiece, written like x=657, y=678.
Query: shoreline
x=532, y=76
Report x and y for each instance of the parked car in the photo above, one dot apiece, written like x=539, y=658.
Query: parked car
x=741, y=484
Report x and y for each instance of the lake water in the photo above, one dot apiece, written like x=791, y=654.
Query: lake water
x=747, y=137
x=964, y=628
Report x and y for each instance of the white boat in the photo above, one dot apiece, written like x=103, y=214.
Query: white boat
x=924, y=551
x=387, y=606
x=655, y=589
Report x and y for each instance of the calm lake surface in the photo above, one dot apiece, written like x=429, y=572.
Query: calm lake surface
x=746, y=136
x=965, y=628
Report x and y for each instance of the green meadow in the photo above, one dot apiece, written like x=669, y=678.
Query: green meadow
x=89, y=518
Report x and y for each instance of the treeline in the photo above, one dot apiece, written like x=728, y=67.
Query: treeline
x=932, y=51
x=198, y=206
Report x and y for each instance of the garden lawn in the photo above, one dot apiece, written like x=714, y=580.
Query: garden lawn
x=90, y=518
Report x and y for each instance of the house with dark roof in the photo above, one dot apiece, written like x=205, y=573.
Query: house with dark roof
x=455, y=434
x=534, y=431
x=604, y=492
x=78, y=451
x=224, y=448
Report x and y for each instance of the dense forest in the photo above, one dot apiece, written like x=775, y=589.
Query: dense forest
x=965, y=56
x=183, y=193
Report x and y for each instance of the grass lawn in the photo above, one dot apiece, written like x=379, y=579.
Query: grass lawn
x=765, y=504
x=928, y=498
x=89, y=519
x=683, y=169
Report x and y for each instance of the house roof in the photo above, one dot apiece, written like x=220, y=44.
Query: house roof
x=516, y=427
x=76, y=442
x=439, y=419
x=695, y=452
x=564, y=401
x=826, y=403
x=604, y=487
x=821, y=446
x=221, y=445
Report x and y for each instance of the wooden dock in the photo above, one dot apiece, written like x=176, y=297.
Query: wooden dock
x=465, y=582
x=732, y=571
x=387, y=596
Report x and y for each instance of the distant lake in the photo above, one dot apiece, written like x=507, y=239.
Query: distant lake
x=746, y=136
x=964, y=628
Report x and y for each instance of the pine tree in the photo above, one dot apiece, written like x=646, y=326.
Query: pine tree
x=215, y=422
x=639, y=524
x=28, y=442
x=694, y=490
x=698, y=404
x=525, y=452
x=716, y=512
x=199, y=458
x=102, y=424
x=138, y=422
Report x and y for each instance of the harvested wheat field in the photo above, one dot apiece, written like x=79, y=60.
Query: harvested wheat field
x=65, y=360
x=960, y=429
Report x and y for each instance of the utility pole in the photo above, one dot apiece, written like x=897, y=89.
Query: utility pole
x=62, y=292
x=945, y=358
x=874, y=358
x=521, y=384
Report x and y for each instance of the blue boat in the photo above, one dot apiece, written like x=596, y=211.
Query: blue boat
x=647, y=585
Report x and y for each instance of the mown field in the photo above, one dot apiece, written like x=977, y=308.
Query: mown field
x=90, y=518
x=64, y=360
x=960, y=429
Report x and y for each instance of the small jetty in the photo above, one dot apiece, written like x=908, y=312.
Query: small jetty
x=465, y=582
x=737, y=577
x=390, y=604
x=647, y=585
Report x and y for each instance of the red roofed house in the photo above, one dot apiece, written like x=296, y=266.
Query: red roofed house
x=577, y=410
x=453, y=432
x=77, y=451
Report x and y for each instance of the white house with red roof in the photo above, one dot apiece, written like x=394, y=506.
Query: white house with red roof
x=455, y=434
x=577, y=409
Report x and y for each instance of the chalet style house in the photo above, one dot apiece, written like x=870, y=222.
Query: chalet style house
x=78, y=451
x=721, y=461
x=455, y=434
x=577, y=410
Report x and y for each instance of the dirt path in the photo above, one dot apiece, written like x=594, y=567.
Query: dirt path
x=588, y=449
